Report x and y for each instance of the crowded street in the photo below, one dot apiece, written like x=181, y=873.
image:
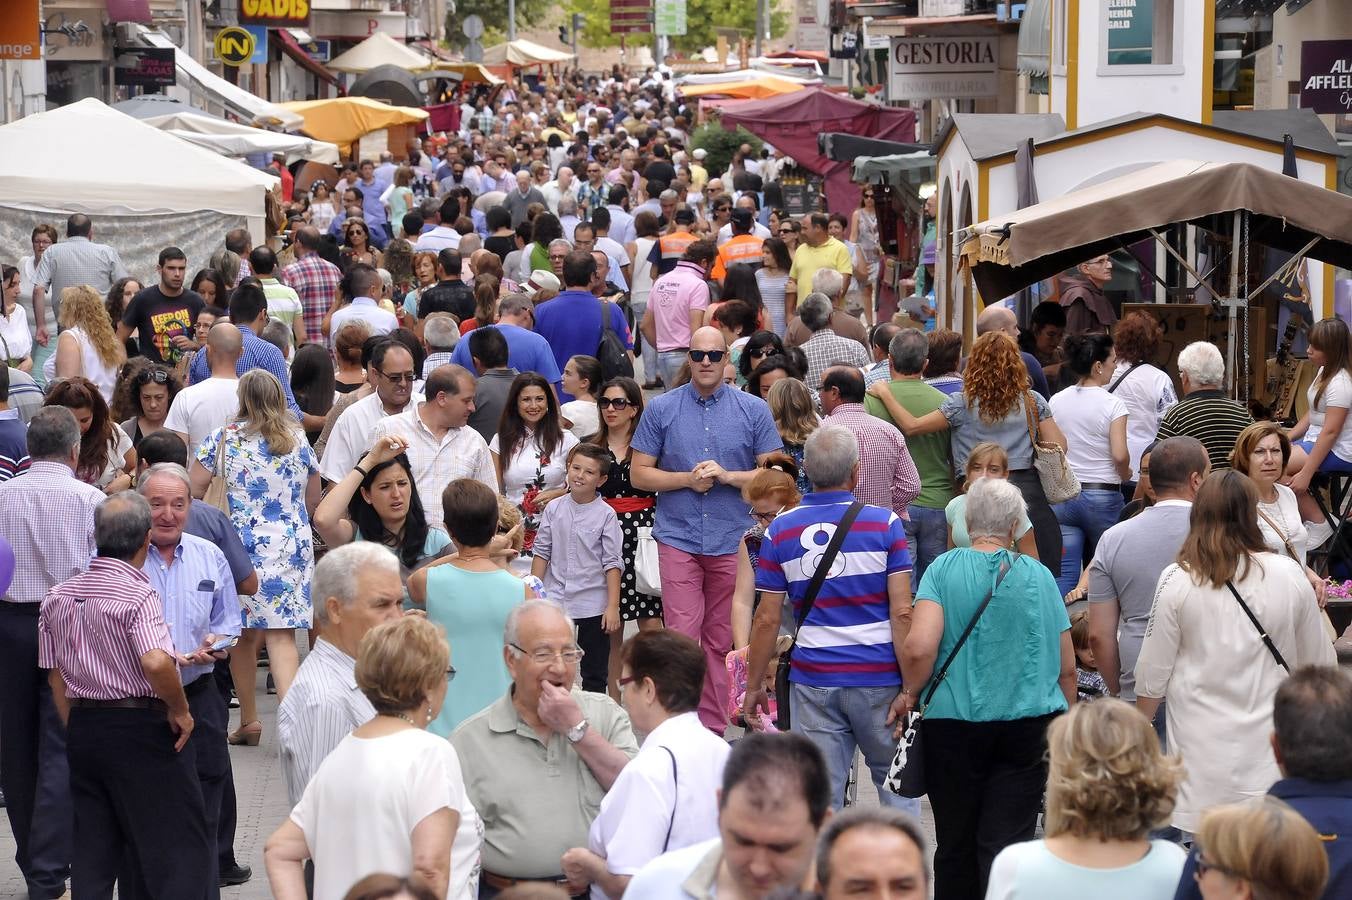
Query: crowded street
x=794, y=450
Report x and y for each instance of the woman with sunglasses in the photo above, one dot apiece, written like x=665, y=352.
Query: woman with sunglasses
x=772, y=278
x=759, y=347
x=621, y=406
x=152, y=391
x=771, y=491
x=864, y=231
x=357, y=246
x=790, y=232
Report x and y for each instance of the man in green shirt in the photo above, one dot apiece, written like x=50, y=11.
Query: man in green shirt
x=927, y=528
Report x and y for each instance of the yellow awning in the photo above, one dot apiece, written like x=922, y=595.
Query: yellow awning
x=751, y=89
x=343, y=120
x=473, y=73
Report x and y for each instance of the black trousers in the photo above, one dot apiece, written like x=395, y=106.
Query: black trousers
x=211, y=758
x=985, y=782
x=1046, y=529
x=33, y=771
x=595, y=646
x=225, y=824
x=139, y=816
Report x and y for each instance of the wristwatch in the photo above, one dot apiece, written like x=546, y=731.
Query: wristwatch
x=577, y=732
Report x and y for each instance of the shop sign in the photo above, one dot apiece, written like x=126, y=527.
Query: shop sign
x=145, y=67
x=277, y=13
x=234, y=46
x=74, y=35
x=1131, y=33
x=260, y=35
x=20, y=35
x=947, y=67
x=1326, y=76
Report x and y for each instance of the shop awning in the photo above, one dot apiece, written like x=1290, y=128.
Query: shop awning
x=522, y=52
x=757, y=88
x=343, y=120
x=292, y=48
x=195, y=77
x=1035, y=37
x=234, y=139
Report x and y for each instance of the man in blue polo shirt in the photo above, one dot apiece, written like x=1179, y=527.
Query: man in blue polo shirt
x=526, y=350
x=571, y=322
x=697, y=446
x=845, y=683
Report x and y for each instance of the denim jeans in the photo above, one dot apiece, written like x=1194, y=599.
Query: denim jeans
x=839, y=720
x=927, y=533
x=669, y=365
x=1091, y=513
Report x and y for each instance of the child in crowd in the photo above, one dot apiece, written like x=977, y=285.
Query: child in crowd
x=584, y=573
x=1090, y=683
x=987, y=460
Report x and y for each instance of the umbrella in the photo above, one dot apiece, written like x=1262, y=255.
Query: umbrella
x=471, y=73
x=342, y=120
x=757, y=88
x=379, y=50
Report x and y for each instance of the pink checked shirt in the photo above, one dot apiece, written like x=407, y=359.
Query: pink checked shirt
x=887, y=475
x=315, y=280
x=47, y=515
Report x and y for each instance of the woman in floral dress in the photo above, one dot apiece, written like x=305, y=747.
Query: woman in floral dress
x=530, y=452
x=272, y=486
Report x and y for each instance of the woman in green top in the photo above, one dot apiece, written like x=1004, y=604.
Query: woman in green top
x=984, y=761
x=470, y=595
x=378, y=500
x=987, y=460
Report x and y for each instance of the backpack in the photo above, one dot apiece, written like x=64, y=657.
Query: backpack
x=610, y=350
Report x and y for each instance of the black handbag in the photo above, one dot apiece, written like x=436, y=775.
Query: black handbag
x=783, y=717
x=906, y=775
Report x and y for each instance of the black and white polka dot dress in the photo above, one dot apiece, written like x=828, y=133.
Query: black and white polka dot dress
x=633, y=605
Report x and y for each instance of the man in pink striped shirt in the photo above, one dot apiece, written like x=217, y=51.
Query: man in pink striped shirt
x=139, y=814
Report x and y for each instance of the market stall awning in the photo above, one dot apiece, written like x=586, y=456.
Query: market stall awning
x=379, y=50
x=742, y=75
x=234, y=139
x=291, y=46
x=903, y=168
x=470, y=73
x=343, y=120
x=849, y=147
x=1035, y=37
x=238, y=102
x=757, y=88
x=522, y=52
x=146, y=106
x=1016, y=249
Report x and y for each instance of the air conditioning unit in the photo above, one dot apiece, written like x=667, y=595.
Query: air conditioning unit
x=127, y=34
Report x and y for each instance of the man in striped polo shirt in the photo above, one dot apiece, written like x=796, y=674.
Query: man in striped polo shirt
x=845, y=682
x=1205, y=413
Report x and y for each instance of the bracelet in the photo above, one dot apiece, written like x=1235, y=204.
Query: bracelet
x=358, y=468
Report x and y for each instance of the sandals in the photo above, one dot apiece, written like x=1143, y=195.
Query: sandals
x=246, y=735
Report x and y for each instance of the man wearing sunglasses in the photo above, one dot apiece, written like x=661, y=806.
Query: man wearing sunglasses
x=697, y=446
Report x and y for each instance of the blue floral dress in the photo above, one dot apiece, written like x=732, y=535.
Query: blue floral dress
x=267, y=508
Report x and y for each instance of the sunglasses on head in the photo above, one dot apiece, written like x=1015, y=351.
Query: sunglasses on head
x=159, y=376
x=616, y=402
x=700, y=356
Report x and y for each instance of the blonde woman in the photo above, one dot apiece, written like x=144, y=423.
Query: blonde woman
x=1108, y=787
x=1257, y=850
x=987, y=460
x=272, y=481
x=795, y=414
x=87, y=345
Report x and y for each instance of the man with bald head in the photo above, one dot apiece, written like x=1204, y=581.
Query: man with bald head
x=1000, y=318
x=697, y=445
x=313, y=279
x=202, y=407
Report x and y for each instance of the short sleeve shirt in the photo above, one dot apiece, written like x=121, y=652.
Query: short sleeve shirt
x=680, y=429
x=159, y=319
x=1011, y=432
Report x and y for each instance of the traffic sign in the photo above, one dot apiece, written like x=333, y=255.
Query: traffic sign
x=670, y=17
x=234, y=46
x=472, y=27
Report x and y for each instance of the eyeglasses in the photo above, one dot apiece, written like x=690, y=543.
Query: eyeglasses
x=762, y=352
x=616, y=402
x=145, y=376
x=450, y=673
x=399, y=377
x=626, y=680
x=764, y=517
x=1203, y=867
x=700, y=356
x=786, y=231
x=544, y=657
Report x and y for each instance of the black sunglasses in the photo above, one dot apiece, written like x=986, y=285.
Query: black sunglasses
x=616, y=402
x=700, y=356
x=145, y=376
x=761, y=352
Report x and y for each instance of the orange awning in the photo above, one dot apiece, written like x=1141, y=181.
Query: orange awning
x=751, y=89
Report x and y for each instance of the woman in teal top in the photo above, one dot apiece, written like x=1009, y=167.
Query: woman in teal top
x=379, y=497
x=469, y=594
x=984, y=731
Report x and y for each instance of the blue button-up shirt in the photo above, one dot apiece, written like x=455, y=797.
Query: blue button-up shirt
x=198, y=593
x=258, y=354
x=681, y=429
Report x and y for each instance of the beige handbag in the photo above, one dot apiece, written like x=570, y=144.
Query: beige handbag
x=217, y=494
x=1058, y=481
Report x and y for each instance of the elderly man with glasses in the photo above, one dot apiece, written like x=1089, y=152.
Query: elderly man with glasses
x=568, y=746
x=391, y=374
x=1088, y=311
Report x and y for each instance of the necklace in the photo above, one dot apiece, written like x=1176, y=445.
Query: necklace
x=403, y=718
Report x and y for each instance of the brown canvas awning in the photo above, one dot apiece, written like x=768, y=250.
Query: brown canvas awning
x=1019, y=248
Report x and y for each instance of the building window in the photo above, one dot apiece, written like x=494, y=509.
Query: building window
x=1059, y=37
x=1137, y=34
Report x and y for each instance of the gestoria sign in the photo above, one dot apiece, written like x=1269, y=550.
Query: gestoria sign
x=947, y=67
x=20, y=36
x=277, y=13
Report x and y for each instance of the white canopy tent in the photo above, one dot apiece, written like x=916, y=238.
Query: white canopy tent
x=379, y=50
x=522, y=52
x=233, y=139
x=154, y=190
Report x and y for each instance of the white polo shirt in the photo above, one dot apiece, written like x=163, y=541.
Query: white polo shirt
x=648, y=798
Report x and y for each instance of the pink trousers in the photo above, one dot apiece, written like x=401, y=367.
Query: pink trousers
x=697, y=602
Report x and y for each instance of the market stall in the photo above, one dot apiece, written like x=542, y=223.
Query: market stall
x=233, y=139
x=345, y=120
x=522, y=53
x=380, y=50
x=756, y=86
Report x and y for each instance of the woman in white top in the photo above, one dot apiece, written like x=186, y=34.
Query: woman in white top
x=16, y=342
x=772, y=278
x=1095, y=425
x=390, y=797
x=1147, y=391
x=87, y=345
x=530, y=452
x=1108, y=786
x=666, y=798
x=1206, y=657
x=1323, y=436
x=582, y=377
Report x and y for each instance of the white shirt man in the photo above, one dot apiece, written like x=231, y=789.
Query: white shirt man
x=202, y=407
x=364, y=309
x=441, y=237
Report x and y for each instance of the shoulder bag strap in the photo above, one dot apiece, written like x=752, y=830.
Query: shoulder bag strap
x=1030, y=413
x=1290, y=551
x=1123, y=377
x=675, y=785
x=1262, y=632
x=943, y=670
x=818, y=577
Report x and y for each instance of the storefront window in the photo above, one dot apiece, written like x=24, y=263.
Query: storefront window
x=1137, y=33
x=1243, y=37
